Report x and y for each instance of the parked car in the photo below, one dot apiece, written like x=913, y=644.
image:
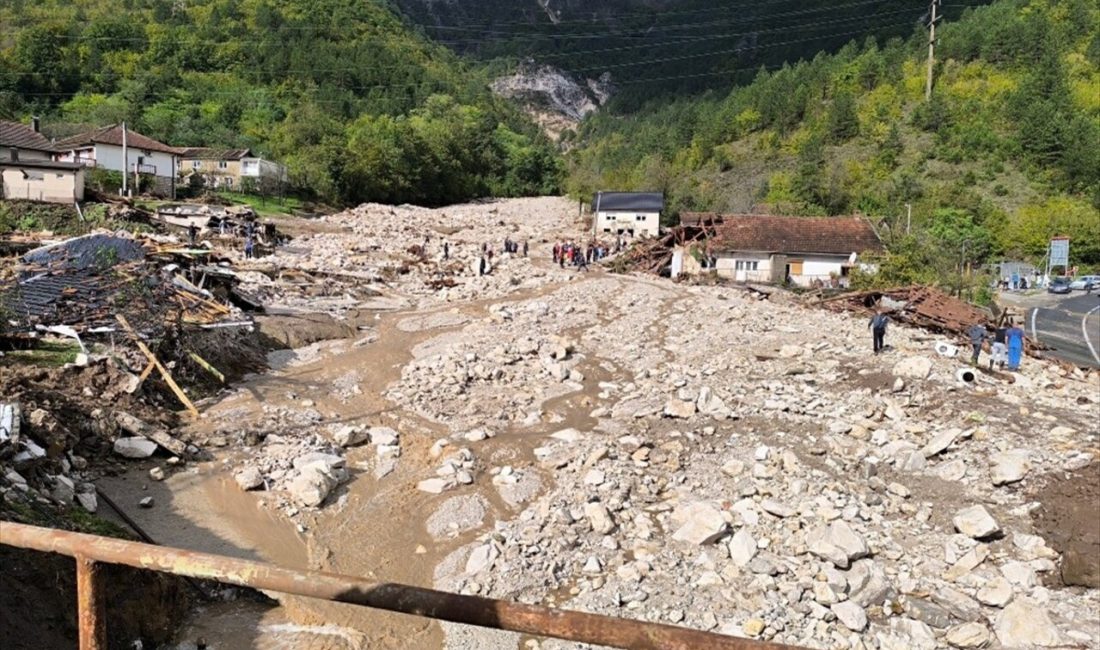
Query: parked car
x=1085, y=282
x=1059, y=284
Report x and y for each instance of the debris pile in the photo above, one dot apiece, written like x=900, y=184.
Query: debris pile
x=920, y=306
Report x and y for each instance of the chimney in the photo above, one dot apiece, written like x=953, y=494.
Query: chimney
x=34, y=124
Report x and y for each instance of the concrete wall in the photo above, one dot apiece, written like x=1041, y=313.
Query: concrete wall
x=827, y=269
x=638, y=223
x=51, y=185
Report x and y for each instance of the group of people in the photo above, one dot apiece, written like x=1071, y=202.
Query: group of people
x=573, y=254
x=1006, y=349
x=1007, y=345
x=514, y=247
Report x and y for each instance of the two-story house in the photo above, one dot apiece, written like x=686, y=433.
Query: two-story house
x=103, y=148
x=229, y=168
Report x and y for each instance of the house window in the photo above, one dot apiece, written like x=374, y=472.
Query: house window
x=610, y=217
x=196, y=164
x=223, y=164
x=640, y=217
x=229, y=181
x=747, y=265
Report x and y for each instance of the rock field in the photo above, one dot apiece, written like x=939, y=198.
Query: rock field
x=693, y=455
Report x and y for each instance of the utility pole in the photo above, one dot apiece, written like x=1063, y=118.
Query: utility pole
x=931, y=48
x=125, y=166
x=908, y=217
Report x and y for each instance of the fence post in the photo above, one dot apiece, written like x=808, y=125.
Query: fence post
x=90, y=603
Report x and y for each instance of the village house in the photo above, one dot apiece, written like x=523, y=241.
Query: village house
x=806, y=251
x=28, y=171
x=42, y=180
x=631, y=214
x=24, y=142
x=103, y=149
x=229, y=168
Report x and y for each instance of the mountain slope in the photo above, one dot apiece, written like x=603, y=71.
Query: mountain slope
x=1006, y=150
x=662, y=47
x=359, y=106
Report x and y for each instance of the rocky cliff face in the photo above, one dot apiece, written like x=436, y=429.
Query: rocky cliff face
x=554, y=98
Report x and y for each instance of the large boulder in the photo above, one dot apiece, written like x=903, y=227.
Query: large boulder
x=314, y=481
x=1023, y=624
x=1009, y=466
x=975, y=522
x=702, y=523
x=135, y=447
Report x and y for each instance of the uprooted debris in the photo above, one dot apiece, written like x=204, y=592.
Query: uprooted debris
x=924, y=307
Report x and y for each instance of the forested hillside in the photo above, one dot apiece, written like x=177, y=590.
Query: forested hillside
x=1006, y=154
x=358, y=106
x=663, y=47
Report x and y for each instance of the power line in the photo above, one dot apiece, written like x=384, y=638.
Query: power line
x=582, y=53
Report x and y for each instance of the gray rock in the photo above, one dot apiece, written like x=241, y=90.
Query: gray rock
x=908, y=634
x=996, y=593
x=867, y=583
x=599, y=518
x=958, y=604
x=1025, y=624
x=742, y=548
x=481, y=558
x=940, y=442
x=851, y=615
x=134, y=447
x=969, y=635
x=773, y=507
x=435, y=485
x=313, y=483
x=702, y=523
x=383, y=436
x=349, y=436
x=146, y=502
x=953, y=470
x=1009, y=466
x=156, y=473
x=88, y=501
x=927, y=612
x=679, y=408
x=249, y=478
x=975, y=522
x=64, y=490
x=838, y=543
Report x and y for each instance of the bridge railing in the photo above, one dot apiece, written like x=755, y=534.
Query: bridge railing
x=91, y=551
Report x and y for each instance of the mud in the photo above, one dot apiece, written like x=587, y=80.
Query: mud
x=1069, y=518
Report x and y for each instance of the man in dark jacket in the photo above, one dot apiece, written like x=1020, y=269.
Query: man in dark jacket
x=977, y=335
x=878, y=328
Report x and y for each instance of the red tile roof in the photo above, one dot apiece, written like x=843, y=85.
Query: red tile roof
x=772, y=234
x=210, y=153
x=21, y=136
x=113, y=135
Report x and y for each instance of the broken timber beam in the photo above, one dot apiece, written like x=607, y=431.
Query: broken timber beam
x=160, y=367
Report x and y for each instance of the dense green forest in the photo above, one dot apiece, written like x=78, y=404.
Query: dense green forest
x=1006, y=153
x=358, y=106
x=660, y=48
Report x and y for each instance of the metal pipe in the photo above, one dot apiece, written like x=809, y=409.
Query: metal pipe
x=471, y=610
x=90, y=603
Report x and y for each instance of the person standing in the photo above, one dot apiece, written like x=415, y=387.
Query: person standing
x=481, y=266
x=999, y=353
x=878, y=329
x=977, y=338
x=248, y=246
x=525, y=248
x=1015, y=341
x=446, y=250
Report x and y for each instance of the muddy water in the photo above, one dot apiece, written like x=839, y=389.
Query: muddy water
x=371, y=528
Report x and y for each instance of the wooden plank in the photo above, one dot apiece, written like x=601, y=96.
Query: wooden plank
x=160, y=368
x=207, y=367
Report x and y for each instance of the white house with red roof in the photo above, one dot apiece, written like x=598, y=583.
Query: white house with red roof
x=102, y=148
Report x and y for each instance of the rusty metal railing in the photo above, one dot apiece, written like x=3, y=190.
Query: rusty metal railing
x=92, y=550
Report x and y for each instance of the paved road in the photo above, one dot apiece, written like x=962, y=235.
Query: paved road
x=1071, y=326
